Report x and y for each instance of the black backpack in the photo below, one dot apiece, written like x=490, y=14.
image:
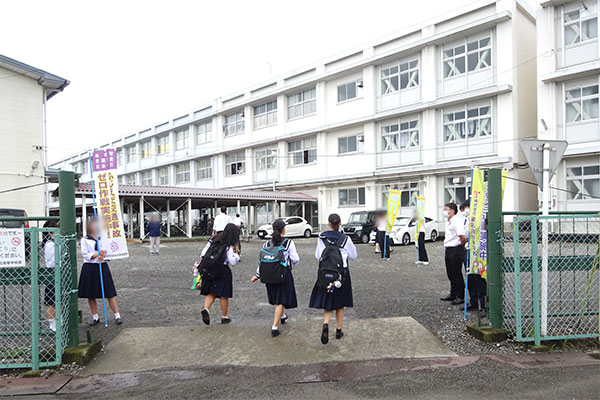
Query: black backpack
x=272, y=264
x=331, y=264
x=213, y=262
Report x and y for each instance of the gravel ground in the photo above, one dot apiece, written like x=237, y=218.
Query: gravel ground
x=154, y=291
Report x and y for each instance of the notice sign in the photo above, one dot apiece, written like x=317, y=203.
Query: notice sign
x=12, y=247
x=106, y=186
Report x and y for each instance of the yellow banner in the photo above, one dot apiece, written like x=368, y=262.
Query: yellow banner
x=393, y=205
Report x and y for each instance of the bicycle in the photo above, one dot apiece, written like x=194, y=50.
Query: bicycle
x=244, y=234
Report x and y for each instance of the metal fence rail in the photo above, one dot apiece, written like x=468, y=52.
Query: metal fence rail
x=557, y=298
x=26, y=340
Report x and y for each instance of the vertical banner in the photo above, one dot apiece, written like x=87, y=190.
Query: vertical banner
x=112, y=235
x=476, y=225
x=420, y=215
x=393, y=205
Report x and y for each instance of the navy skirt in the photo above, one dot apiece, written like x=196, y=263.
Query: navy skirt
x=89, y=282
x=283, y=293
x=335, y=300
x=220, y=287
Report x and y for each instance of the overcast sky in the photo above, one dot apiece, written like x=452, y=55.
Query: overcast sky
x=133, y=64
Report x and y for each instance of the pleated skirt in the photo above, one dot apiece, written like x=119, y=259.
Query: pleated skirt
x=89, y=282
x=339, y=298
x=283, y=293
x=220, y=287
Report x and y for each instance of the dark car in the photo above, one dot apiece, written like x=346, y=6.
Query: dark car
x=359, y=226
x=14, y=212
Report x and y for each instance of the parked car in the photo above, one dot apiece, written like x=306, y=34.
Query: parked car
x=294, y=226
x=360, y=225
x=404, y=230
x=14, y=212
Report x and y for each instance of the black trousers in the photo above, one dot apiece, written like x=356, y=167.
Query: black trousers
x=380, y=238
x=454, y=262
x=477, y=290
x=422, y=251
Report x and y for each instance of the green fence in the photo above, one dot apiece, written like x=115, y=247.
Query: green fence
x=26, y=338
x=551, y=277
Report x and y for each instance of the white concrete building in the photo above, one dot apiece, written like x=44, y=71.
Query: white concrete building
x=24, y=91
x=568, y=109
x=413, y=111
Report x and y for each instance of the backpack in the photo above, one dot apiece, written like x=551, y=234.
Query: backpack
x=212, y=264
x=331, y=263
x=272, y=265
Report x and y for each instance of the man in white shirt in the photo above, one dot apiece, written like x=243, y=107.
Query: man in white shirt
x=238, y=221
x=454, y=242
x=221, y=221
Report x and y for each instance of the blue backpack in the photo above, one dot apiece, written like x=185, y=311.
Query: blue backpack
x=272, y=263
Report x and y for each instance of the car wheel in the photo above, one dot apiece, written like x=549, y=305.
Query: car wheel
x=364, y=238
x=434, y=235
x=406, y=239
x=307, y=233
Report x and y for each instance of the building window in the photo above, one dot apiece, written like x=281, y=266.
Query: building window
x=204, y=169
x=583, y=181
x=347, y=144
x=346, y=92
x=399, y=135
x=84, y=167
x=234, y=123
x=204, y=132
x=456, y=189
x=302, y=103
x=478, y=55
x=162, y=144
x=400, y=76
x=352, y=197
x=145, y=149
x=182, y=173
x=163, y=176
x=265, y=114
x=581, y=103
x=147, y=178
x=266, y=158
x=303, y=151
x=472, y=121
x=120, y=157
x=122, y=180
x=579, y=26
x=235, y=164
x=182, y=139
x=130, y=179
x=131, y=154
x=408, y=196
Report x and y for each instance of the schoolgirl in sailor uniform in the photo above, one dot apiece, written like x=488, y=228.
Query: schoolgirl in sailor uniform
x=282, y=295
x=89, y=278
x=337, y=299
x=221, y=287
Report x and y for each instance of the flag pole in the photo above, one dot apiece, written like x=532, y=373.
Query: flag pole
x=97, y=236
x=467, y=263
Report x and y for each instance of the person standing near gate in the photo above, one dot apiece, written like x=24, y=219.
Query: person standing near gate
x=49, y=291
x=420, y=240
x=221, y=221
x=154, y=232
x=476, y=284
x=454, y=242
x=380, y=236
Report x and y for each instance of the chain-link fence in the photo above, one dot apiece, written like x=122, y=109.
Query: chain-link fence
x=551, y=277
x=34, y=301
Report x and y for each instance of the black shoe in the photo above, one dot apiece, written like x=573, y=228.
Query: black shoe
x=482, y=313
x=447, y=298
x=457, y=301
x=205, y=316
x=284, y=318
x=338, y=333
x=472, y=307
x=118, y=321
x=225, y=320
x=275, y=332
x=94, y=322
x=325, y=334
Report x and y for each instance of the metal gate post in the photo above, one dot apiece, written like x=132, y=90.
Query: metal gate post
x=35, y=300
x=494, y=248
x=66, y=198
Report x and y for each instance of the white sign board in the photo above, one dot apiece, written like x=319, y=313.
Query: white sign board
x=12, y=247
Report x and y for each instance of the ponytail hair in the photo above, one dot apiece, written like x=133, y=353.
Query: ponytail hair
x=335, y=221
x=278, y=228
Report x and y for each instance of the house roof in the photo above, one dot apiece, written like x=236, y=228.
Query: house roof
x=198, y=193
x=53, y=83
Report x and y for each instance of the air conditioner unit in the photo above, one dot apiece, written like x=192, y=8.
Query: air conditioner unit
x=360, y=138
x=459, y=180
x=359, y=83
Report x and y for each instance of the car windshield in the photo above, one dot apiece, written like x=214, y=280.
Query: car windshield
x=360, y=217
x=276, y=219
x=401, y=221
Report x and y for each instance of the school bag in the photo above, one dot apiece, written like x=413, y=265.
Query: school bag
x=213, y=262
x=272, y=264
x=331, y=264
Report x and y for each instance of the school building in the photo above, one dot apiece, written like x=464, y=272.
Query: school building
x=568, y=78
x=414, y=111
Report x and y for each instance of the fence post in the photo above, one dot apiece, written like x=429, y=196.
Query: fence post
x=35, y=300
x=494, y=248
x=66, y=198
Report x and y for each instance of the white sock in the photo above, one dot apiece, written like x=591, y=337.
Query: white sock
x=117, y=315
x=283, y=316
x=52, y=323
x=275, y=328
x=95, y=317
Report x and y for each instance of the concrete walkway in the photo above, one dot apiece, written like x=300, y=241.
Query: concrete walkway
x=145, y=349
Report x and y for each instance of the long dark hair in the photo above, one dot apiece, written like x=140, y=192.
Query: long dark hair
x=229, y=237
x=278, y=227
x=335, y=221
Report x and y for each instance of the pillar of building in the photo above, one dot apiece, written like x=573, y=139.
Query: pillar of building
x=130, y=219
x=168, y=217
x=83, y=216
x=141, y=218
x=189, y=218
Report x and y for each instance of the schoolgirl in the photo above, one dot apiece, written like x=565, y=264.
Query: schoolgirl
x=49, y=291
x=89, y=279
x=339, y=298
x=282, y=295
x=222, y=286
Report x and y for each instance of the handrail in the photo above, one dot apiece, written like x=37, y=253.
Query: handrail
x=551, y=213
x=9, y=219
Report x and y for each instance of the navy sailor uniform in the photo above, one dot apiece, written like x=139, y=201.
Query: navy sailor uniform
x=89, y=278
x=223, y=285
x=284, y=293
